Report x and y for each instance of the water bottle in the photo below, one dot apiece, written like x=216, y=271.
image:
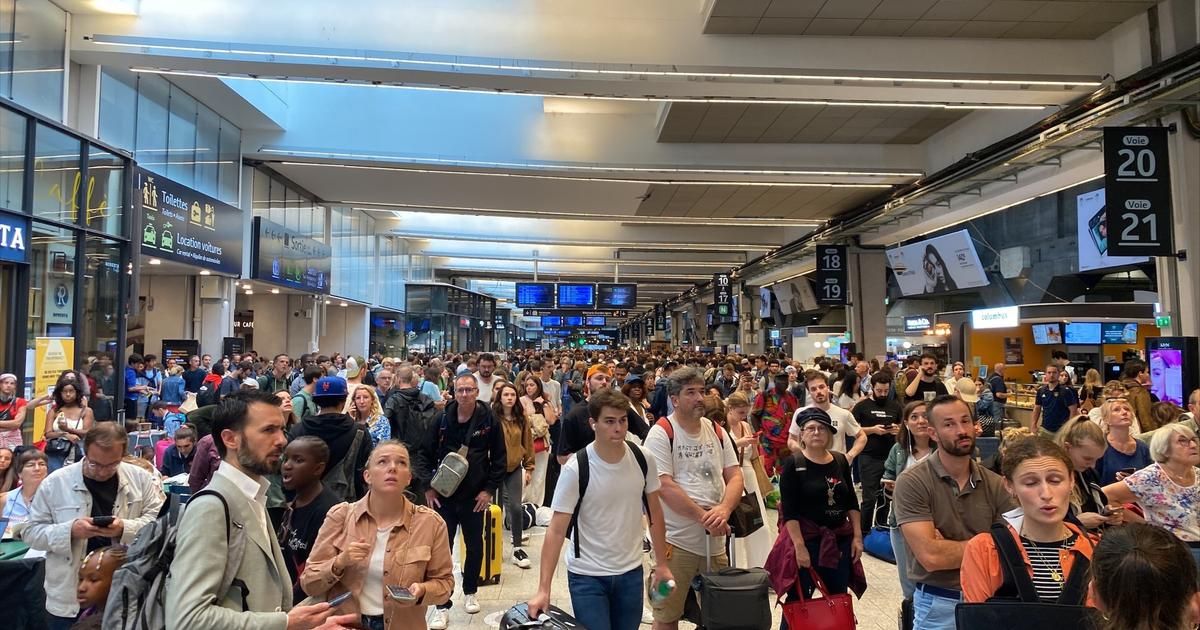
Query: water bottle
x=661, y=591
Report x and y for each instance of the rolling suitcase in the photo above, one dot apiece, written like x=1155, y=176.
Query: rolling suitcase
x=493, y=546
x=734, y=599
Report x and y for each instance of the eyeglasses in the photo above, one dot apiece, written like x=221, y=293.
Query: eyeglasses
x=101, y=467
x=1187, y=441
x=466, y=390
x=812, y=428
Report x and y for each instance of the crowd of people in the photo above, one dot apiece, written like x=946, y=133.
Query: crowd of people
x=342, y=483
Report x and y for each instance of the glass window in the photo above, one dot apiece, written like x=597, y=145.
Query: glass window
x=118, y=108
x=229, y=156
x=153, y=94
x=278, y=191
x=181, y=138
x=51, y=284
x=56, y=175
x=208, y=140
x=105, y=198
x=101, y=283
x=12, y=159
x=8, y=10
x=260, y=200
x=38, y=55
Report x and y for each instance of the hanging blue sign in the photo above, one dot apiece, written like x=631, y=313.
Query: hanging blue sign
x=14, y=238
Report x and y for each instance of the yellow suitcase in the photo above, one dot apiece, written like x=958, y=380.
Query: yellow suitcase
x=493, y=546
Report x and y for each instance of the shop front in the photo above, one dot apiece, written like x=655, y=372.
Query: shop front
x=64, y=242
x=446, y=318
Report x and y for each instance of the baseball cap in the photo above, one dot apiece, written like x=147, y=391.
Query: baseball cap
x=814, y=414
x=599, y=367
x=790, y=369
x=967, y=390
x=353, y=367
x=634, y=377
x=330, y=387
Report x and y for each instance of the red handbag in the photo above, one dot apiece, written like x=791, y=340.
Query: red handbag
x=828, y=612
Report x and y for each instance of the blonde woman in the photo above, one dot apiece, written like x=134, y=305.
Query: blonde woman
x=750, y=551
x=363, y=406
x=1092, y=392
x=1123, y=454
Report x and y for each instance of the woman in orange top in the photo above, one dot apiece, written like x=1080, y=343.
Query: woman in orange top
x=382, y=543
x=1038, y=473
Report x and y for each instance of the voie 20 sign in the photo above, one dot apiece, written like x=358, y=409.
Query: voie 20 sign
x=1137, y=181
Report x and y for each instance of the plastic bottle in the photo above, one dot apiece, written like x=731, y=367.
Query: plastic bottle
x=662, y=590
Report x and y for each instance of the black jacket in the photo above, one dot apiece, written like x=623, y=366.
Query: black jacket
x=337, y=429
x=486, y=453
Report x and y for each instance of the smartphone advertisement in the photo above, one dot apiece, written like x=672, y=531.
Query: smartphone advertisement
x=1093, y=235
x=1173, y=370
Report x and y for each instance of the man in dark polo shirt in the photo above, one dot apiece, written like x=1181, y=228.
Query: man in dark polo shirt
x=1054, y=404
x=941, y=503
x=879, y=417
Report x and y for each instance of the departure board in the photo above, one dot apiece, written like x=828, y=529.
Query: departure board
x=576, y=295
x=535, y=295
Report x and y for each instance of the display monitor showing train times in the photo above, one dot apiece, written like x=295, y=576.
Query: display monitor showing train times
x=535, y=295
x=576, y=295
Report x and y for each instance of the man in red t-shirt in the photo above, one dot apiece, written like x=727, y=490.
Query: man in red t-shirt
x=11, y=417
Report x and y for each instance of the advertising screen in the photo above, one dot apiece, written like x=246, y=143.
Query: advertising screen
x=576, y=295
x=597, y=321
x=535, y=295
x=1092, y=235
x=616, y=297
x=1117, y=332
x=573, y=320
x=937, y=265
x=1082, y=332
x=1166, y=375
x=1047, y=334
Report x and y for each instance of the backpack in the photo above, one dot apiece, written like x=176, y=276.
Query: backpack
x=340, y=478
x=411, y=418
x=309, y=404
x=581, y=458
x=207, y=396
x=139, y=587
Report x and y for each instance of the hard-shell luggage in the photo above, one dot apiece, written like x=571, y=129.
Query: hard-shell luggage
x=517, y=618
x=493, y=546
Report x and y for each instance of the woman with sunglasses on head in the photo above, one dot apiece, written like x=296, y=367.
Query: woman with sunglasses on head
x=913, y=444
x=1122, y=454
x=1038, y=473
x=393, y=556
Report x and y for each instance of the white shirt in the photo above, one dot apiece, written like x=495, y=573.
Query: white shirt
x=697, y=464
x=553, y=391
x=844, y=426
x=370, y=597
x=610, y=518
x=485, y=387
x=254, y=489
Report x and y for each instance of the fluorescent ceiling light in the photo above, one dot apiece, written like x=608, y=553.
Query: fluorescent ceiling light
x=543, y=276
x=275, y=291
x=498, y=238
x=500, y=66
x=583, y=261
x=155, y=261
x=619, y=180
x=710, y=100
x=586, y=216
x=205, y=272
x=116, y=7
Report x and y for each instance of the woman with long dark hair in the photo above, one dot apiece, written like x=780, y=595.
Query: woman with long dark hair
x=541, y=415
x=1143, y=579
x=518, y=443
x=71, y=421
x=937, y=277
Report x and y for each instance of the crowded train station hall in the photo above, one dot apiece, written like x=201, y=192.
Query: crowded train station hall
x=581, y=315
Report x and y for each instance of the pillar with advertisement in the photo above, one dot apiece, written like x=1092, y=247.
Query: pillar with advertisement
x=51, y=356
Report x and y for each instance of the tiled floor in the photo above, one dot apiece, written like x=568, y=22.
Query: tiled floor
x=875, y=611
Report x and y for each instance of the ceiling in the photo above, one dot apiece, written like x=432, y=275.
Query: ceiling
x=806, y=124
x=752, y=201
x=1016, y=19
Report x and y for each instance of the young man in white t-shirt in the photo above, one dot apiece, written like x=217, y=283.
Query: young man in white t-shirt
x=604, y=560
x=701, y=484
x=844, y=424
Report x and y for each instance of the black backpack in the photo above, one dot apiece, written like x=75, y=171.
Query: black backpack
x=581, y=459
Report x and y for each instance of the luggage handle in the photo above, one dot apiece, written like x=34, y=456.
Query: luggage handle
x=708, y=552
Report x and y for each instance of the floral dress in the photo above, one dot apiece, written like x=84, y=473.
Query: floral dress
x=379, y=428
x=1167, y=504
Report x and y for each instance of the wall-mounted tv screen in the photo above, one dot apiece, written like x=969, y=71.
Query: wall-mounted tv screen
x=1082, y=333
x=573, y=320
x=597, y=321
x=1047, y=334
x=535, y=295
x=576, y=295
x=551, y=321
x=1119, y=332
x=616, y=297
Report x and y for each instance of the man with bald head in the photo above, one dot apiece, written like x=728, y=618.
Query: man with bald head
x=999, y=391
x=411, y=414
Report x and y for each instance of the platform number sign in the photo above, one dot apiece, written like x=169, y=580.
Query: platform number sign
x=1137, y=181
x=722, y=294
x=831, y=275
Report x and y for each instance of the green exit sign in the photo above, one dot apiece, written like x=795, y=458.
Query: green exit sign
x=723, y=310
x=1163, y=321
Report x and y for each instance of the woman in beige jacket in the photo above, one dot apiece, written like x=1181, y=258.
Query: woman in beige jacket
x=382, y=543
x=518, y=444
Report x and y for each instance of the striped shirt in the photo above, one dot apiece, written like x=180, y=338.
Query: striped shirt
x=1048, y=575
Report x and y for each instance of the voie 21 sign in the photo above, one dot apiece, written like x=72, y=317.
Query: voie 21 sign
x=1137, y=182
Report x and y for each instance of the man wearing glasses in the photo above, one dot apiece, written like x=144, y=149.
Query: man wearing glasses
x=466, y=422
x=93, y=503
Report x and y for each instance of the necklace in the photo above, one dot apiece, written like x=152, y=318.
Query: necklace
x=1040, y=562
x=1182, y=480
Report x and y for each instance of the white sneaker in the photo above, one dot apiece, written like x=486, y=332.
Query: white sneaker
x=520, y=558
x=647, y=616
x=470, y=604
x=525, y=536
x=439, y=619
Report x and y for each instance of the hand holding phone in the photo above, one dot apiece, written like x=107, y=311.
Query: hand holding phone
x=339, y=600
x=401, y=594
x=102, y=521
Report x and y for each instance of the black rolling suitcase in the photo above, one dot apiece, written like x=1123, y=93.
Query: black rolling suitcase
x=734, y=599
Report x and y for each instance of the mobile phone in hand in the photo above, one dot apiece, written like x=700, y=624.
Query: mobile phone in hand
x=102, y=521
x=401, y=594
x=337, y=601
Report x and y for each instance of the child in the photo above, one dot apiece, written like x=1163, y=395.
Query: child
x=95, y=580
x=304, y=462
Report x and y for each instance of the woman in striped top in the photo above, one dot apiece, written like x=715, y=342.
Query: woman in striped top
x=1038, y=473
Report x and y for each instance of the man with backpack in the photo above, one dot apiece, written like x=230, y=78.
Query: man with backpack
x=410, y=414
x=701, y=484
x=228, y=570
x=303, y=404
x=349, y=444
x=605, y=564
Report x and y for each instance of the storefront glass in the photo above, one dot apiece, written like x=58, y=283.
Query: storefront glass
x=445, y=318
x=102, y=272
x=105, y=192
x=56, y=177
x=33, y=72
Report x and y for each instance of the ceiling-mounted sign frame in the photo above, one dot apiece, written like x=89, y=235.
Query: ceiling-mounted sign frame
x=832, y=286
x=1137, y=182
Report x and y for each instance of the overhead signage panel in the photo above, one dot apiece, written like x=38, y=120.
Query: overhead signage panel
x=1137, y=182
x=944, y=263
x=572, y=295
x=187, y=226
x=542, y=312
x=832, y=286
x=535, y=295
x=611, y=295
x=722, y=294
x=289, y=259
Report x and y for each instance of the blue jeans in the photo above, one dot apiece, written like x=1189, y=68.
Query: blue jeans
x=59, y=623
x=900, y=548
x=933, y=612
x=610, y=602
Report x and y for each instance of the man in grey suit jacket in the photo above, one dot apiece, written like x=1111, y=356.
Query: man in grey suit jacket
x=248, y=431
